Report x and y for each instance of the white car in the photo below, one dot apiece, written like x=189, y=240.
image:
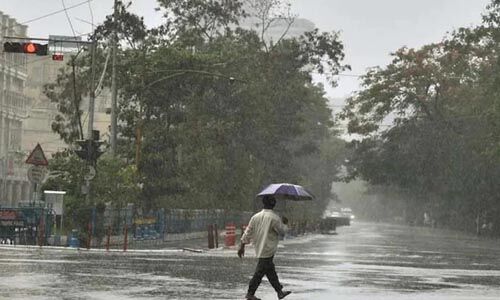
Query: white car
x=347, y=213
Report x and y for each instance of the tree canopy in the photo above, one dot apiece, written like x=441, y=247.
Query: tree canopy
x=209, y=115
x=442, y=147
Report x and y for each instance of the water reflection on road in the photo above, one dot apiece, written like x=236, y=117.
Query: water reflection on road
x=364, y=261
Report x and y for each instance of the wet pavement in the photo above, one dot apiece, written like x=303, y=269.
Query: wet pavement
x=364, y=261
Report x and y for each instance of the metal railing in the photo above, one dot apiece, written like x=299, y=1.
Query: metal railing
x=126, y=228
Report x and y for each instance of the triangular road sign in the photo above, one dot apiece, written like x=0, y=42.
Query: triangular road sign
x=37, y=157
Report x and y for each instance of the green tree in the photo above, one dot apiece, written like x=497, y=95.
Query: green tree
x=208, y=115
x=441, y=150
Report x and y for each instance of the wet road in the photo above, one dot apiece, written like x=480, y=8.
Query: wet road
x=364, y=261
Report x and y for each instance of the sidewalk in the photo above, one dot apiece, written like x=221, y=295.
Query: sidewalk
x=196, y=242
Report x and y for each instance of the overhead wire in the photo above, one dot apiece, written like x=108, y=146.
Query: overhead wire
x=91, y=15
x=69, y=19
x=88, y=2
x=107, y=58
x=101, y=80
x=43, y=57
x=48, y=15
x=65, y=10
x=84, y=21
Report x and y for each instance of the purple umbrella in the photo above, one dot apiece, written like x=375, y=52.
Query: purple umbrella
x=287, y=191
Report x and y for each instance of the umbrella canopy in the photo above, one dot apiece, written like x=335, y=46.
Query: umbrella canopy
x=287, y=191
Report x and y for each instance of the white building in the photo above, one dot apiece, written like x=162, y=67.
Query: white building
x=278, y=28
x=14, y=106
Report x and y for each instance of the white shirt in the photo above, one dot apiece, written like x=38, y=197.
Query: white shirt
x=264, y=230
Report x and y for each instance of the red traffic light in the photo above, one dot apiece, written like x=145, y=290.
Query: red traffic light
x=28, y=48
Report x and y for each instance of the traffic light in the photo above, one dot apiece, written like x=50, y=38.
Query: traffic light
x=83, y=152
x=90, y=149
x=27, y=48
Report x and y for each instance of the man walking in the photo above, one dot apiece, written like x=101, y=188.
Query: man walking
x=264, y=229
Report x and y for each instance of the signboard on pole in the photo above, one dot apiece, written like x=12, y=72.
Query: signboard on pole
x=63, y=43
x=55, y=200
x=91, y=172
x=36, y=174
x=37, y=157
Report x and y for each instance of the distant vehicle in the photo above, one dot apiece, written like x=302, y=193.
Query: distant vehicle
x=334, y=214
x=335, y=217
x=328, y=225
x=347, y=212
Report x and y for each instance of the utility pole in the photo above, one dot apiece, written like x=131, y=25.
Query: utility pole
x=90, y=133
x=92, y=90
x=114, y=114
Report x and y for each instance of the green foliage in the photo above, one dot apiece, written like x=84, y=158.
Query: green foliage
x=442, y=149
x=208, y=116
x=67, y=93
x=130, y=28
x=116, y=184
x=194, y=21
x=72, y=85
x=65, y=173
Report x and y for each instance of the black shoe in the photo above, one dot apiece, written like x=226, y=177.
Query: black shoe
x=251, y=297
x=283, y=294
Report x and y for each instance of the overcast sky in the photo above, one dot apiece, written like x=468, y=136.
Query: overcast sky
x=370, y=29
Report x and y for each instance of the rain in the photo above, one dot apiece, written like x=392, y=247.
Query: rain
x=249, y=149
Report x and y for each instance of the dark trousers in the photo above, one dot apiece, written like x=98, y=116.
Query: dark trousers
x=265, y=266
